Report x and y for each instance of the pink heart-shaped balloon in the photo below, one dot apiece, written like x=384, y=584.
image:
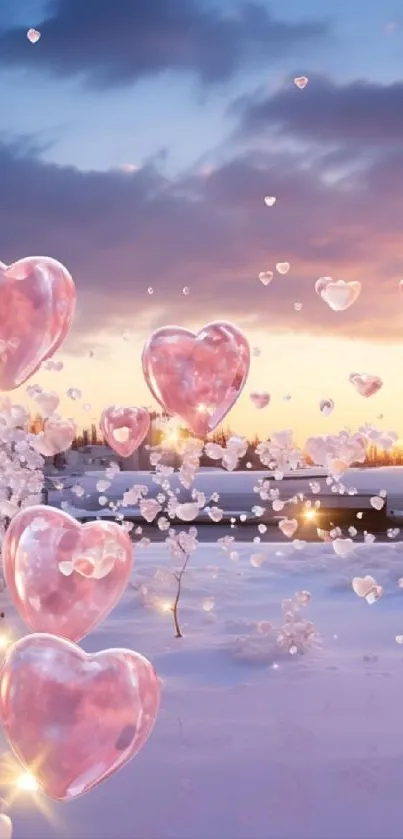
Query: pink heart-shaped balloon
x=56, y=437
x=321, y=284
x=288, y=527
x=260, y=400
x=64, y=577
x=326, y=406
x=365, y=384
x=340, y=295
x=124, y=429
x=301, y=82
x=71, y=718
x=363, y=585
x=197, y=377
x=37, y=304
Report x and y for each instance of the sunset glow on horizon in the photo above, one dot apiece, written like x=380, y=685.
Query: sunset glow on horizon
x=306, y=368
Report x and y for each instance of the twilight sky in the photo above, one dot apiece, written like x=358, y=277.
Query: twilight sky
x=138, y=139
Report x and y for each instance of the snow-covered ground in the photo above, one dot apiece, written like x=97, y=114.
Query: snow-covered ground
x=237, y=490
x=253, y=742
x=388, y=477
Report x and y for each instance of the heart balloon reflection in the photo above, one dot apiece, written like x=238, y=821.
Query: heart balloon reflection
x=64, y=577
x=71, y=718
x=197, y=377
x=124, y=429
x=37, y=303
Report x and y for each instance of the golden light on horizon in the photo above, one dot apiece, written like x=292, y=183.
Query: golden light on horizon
x=171, y=439
x=172, y=435
x=332, y=358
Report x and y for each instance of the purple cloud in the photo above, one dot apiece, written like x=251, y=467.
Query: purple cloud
x=110, y=43
x=120, y=233
x=362, y=112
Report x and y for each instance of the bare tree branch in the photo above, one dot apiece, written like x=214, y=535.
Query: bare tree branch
x=178, y=577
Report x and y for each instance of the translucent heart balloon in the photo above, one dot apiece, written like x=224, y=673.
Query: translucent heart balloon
x=363, y=585
x=367, y=587
x=197, y=377
x=326, y=406
x=266, y=277
x=260, y=400
x=301, y=82
x=56, y=437
x=124, y=429
x=343, y=547
x=283, y=267
x=365, y=384
x=47, y=400
x=33, y=36
x=37, y=304
x=71, y=718
x=288, y=527
x=321, y=283
x=64, y=577
x=340, y=295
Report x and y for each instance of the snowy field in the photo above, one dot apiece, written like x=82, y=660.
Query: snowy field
x=252, y=741
x=242, y=482
x=237, y=491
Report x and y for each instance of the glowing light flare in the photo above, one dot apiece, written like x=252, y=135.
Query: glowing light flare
x=5, y=641
x=26, y=782
x=165, y=606
x=171, y=438
x=23, y=788
x=309, y=515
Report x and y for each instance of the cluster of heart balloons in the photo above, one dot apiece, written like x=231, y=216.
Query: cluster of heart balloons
x=197, y=377
x=71, y=718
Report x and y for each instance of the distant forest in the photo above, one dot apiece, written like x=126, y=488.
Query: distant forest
x=92, y=437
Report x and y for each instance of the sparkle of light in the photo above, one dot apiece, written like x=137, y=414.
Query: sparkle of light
x=172, y=438
x=4, y=641
x=27, y=782
x=310, y=514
